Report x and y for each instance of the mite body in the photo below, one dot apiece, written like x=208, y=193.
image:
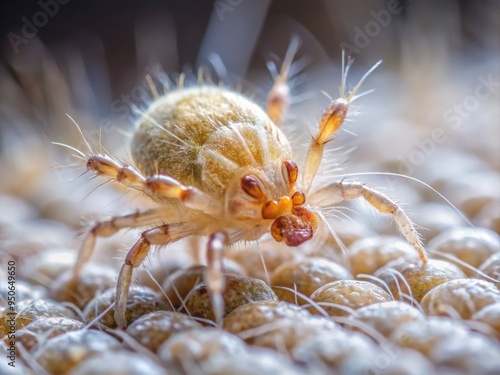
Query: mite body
x=219, y=166
x=222, y=144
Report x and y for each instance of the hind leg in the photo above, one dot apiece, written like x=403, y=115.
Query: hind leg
x=214, y=277
x=161, y=235
x=106, y=228
x=278, y=98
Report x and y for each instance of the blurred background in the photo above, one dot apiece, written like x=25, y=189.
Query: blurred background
x=434, y=115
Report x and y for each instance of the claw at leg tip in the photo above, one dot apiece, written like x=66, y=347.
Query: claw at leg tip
x=423, y=256
x=218, y=307
x=121, y=322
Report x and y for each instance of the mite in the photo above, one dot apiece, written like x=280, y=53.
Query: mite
x=220, y=166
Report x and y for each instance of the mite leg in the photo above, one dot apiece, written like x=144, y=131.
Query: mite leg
x=331, y=120
x=214, y=278
x=161, y=235
x=354, y=190
x=278, y=98
x=161, y=185
x=109, y=227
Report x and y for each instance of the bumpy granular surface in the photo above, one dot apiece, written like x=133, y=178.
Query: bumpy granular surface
x=121, y=362
x=385, y=317
x=369, y=254
x=489, y=315
x=464, y=297
x=31, y=311
x=305, y=277
x=94, y=279
x=40, y=330
x=153, y=329
x=238, y=291
x=261, y=313
x=490, y=269
x=472, y=246
x=140, y=301
x=341, y=297
x=286, y=334
x=61, y=354
x=413, y=280
x=198, y=346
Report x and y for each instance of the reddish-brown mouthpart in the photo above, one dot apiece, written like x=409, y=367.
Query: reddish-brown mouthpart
x=291, y=230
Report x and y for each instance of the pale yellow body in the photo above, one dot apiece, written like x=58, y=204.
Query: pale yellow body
x=209, y=137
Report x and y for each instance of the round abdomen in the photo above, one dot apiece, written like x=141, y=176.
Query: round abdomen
x=201, y=136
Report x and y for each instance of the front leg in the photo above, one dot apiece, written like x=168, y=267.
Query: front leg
x=336, y=192
x=161, y=185
x=331, y=120
x=161, y=235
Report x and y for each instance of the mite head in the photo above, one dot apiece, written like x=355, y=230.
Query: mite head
x=264, y=197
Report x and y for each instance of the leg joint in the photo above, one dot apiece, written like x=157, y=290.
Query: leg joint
x=104, y=228
x=138, y=252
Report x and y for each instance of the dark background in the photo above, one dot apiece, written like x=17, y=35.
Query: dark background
x=102, y=49
x=114, y=23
